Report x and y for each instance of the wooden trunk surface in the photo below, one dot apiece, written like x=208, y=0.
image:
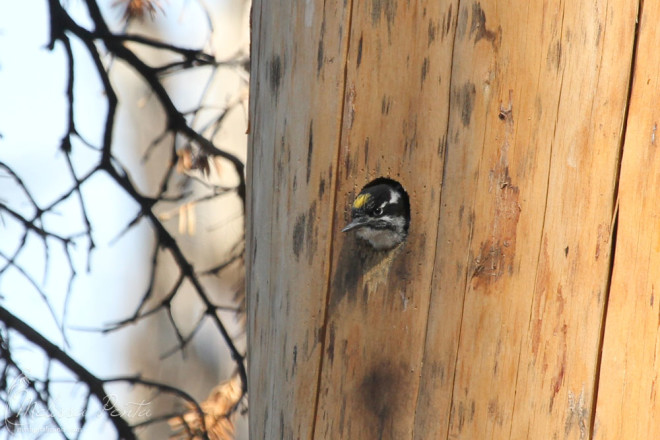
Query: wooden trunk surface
x=522, y=305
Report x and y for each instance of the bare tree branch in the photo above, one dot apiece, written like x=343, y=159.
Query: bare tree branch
x=95, y=385
x=100, y=43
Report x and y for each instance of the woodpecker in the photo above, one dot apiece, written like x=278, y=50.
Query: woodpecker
x=381, y=214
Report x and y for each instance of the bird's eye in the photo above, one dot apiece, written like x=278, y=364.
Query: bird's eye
x=378, y=211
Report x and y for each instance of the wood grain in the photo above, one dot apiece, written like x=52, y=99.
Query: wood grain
x=298, y=53
x=394, y=124
x=627, y=404
x=504, y=121
x=526, y=294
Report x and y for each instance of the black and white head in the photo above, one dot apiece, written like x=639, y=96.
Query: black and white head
x=381, y=214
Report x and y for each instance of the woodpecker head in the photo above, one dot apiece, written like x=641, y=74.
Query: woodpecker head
x=381, y=214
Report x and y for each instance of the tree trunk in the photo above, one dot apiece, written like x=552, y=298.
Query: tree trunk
x=515, y=127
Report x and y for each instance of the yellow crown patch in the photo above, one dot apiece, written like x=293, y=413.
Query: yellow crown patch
x=361, y=200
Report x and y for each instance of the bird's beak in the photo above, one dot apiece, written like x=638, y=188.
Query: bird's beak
x=356, y=223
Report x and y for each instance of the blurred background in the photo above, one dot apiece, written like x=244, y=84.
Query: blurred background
x=36, y=283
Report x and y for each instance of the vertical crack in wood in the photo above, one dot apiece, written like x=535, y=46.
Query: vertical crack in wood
x=615, y=223
x=324, y=325
x=437, y=236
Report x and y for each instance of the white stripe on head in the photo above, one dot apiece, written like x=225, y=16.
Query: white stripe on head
x=394, y=196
